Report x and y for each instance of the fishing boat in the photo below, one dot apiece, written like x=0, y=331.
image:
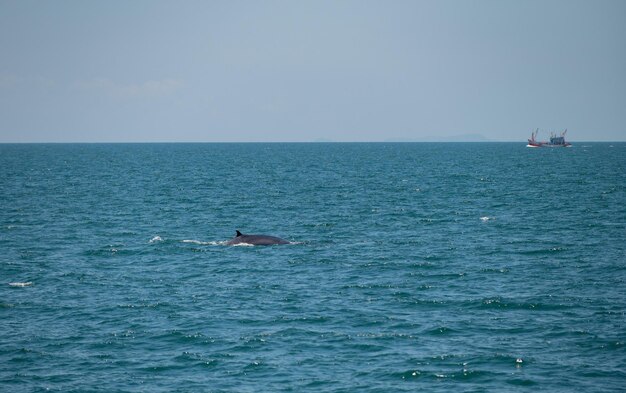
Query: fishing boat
x=555, y=141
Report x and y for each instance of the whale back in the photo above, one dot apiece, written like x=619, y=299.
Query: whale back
x=256, y=240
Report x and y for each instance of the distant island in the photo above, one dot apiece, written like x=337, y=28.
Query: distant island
x=429, y=138
x=453, y=138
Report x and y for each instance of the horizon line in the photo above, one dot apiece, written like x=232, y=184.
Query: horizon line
x=277, y=141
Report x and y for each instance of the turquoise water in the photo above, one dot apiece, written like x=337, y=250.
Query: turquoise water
x=426, y=266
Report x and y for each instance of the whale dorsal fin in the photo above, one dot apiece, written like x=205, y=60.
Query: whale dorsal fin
x=238, y=233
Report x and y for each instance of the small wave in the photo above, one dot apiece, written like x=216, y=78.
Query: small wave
x=503, y=303
x=464, y=374
x=213, y=243
x=543, y=251
x=486, y=218
x=197, y=359
x=156, y=239
x=144, y=305
x=442, y=330
x=21, y=284
x=495, y=270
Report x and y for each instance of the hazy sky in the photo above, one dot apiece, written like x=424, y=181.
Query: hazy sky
x=103, y=71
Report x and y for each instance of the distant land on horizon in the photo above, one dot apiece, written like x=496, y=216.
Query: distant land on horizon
x=453, y=138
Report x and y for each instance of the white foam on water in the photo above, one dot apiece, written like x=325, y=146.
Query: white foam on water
x=252, y=245
x=485, y=219
x=243, y=245
x=20, y=284
x=156, y=239
x=204, y=243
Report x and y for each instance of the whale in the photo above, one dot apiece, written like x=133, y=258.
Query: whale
x=255, y=240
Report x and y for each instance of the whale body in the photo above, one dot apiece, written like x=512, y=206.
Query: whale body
x=256, y=240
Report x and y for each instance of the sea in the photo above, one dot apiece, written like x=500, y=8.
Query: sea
x=436, y=267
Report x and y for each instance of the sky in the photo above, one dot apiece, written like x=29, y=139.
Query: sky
x=298, y=71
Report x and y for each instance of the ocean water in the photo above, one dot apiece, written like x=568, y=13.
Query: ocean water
x=415, y=267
